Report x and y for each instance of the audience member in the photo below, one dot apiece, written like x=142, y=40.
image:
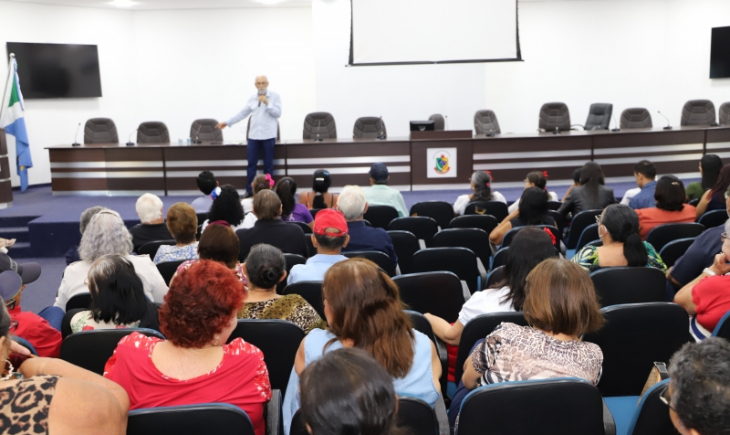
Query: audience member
x=698, y=395
x=36, y=330
x=152, y=228
x=106, y=234
x=364, y=310
x=183, y=224
x=218, y=243
x=481, y=186
x=117, y=298
x=528, y=249
x=348, y=392
x=194, y=364
x=670, y=206
x=49, y=395
x=73, y=252
x=226, y=207
x=710, y=166
x=319, y=197
x=330, y=236
x=535, y=179
x=379, y=193
x=714, y=199
x=265, y=267
x=353, y=205
x=291, y=210
x=576, y=183
x=259, y=183
x=592, y=194
x=618, y=229
x=645, y=174
x=270, y=229
x=208, y=185
x=706, y=298
x=533, y=210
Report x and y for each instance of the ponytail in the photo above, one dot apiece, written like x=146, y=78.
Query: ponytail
x=482, y=186
x=635, y=251
x=622, y=223
x=285, y=189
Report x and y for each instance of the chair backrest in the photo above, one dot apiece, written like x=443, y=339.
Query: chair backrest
x=153, y=132
x=202, y=217
x=554, y=205
x=495, y=276
x=507, y=239
x=439, y=123
x=497, y=209
x=100, y=130
x=660, y=235
x=319, y=125
x=500, y=258
x=311, y=250
x=555, y=407
x=698, y=112
x=279, y=341
x=291, y=261
x=651, y=415
x=632, y=339
x=723, y=327
x=713, y=218
x=306, y=228
x=311, y=291
x=168, y=269
x=380, y=216
x=81, y=300
x=636, y=117
x=559, y=220
x=441, y=211
x=482, y=221
x=471, y=238
x=423, y=227
x=213, y=418
x=461, y=261
x=554, y=115
x=724, y=114
x=589, y=234
x=599, y=116
x=91, y=349
x=369, y=127
x=151, y=248
x=380, y=258
x=485, y=122
x=579, y=223
x=672, y=251
x=405, y=244
x=438, y=293
x=204, y=130
x=478, y=328
x=629, y=285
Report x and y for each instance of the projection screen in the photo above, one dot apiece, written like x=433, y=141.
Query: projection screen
x=398, y=32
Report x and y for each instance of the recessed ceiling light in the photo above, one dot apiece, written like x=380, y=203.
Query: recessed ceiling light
x=123, y=3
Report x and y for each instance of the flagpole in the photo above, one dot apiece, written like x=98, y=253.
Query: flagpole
x=5, y=91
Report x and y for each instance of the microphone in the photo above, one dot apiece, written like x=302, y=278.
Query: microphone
x=669, y=126
x=261, y=92
x=491, y=133
x=615, y=127
x=76, y=138
x=557, y=130
x=196, y=139
x=381, y=135
x=129, y=138
x=318, y=138
x=446, y=117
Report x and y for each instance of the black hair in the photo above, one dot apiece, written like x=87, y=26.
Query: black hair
x=117, y=292
x=227, y=207
x=670, y=194
x=265, y=265
x=533, y=206
x=538, y=179
x=711, y=166
x=591, y=176
x=206, y=182
x=529, y=248
x=330, y=243
x=322, y=181
x=645, y=168
x=286, y=188
x=347, y=392
x=482, y=182
x=576, y=175
x=622, y=223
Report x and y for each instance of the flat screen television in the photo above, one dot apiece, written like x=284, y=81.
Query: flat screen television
x=57, y=70
x=720, y=53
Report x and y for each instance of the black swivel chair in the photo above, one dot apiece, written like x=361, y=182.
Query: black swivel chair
x=422, y=227
x=151, y=248
x=579, y=223
x=100, y=130
x=599, y=116
x=319, y=125
x=441, y=211
x=554, y=117
x=311, y=291
x=698, y=112
x=405, y=244
x=629, y=285
x=153, y=132
x=168, y=269
x=482, y=221
x=724, y=114
x=380, y=216
x=204, y=131
x=439, y=123
x=212, y=418
x=672, y=251
x=636, y=117
x=460, y=261
x=81, y=300
x=379, y=258
x=660, y=235
x=438, y=293
x=369, y=127
x=713, y=218
x=497, y=209
x=485, y=122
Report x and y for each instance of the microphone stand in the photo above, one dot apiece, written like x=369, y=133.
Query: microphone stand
x=129, y=139
x=381, y=135
x=669, y=124
x=76, y=137
x=318, y=138
x=197, y=140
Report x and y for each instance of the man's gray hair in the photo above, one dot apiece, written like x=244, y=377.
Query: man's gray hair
x=351, y=202
x=105, y=234
x=727, y=226
x=149, y=208
x=87, y=214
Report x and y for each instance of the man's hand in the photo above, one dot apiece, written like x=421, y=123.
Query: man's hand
x=262, y=99
x=720, y=266
x=221, y=125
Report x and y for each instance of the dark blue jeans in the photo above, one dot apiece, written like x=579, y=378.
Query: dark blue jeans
x=53, y=315
x=255, y=149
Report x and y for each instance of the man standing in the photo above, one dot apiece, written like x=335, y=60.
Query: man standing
x=265, y=110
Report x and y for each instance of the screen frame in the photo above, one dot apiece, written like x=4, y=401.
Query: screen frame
x=713, y=43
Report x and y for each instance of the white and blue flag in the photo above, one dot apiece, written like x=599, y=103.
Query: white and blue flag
x=12, y=119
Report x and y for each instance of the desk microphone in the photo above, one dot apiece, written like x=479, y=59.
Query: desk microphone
x=491, y=133
x=76, y=138
x=381, y=136
x=669, y=126
x=447, y=122
x=318, y=138
x=129, y=139
x=615, y=127
x=557, y=130
x=261, y=92
x=196, y=138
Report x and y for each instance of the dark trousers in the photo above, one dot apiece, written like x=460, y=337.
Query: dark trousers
x=255, y=149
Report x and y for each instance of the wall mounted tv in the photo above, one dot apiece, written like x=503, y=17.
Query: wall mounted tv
x=57, y=70
x=720, y=53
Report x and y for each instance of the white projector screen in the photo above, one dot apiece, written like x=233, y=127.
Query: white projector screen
x=393, y=32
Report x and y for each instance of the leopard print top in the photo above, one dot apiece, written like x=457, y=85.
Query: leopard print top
x=24, y=405
x=293, y=308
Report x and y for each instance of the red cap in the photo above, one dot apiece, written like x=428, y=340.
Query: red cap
x=330, y=219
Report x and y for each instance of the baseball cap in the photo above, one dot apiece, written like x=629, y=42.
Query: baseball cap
x=378, y=172
x=329, y=218
x=29, y=272
x=10, y=284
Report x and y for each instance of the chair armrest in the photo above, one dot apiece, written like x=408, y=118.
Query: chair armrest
x=443, y=419
x=272, y=414
x=609, y=425
x=444, y=359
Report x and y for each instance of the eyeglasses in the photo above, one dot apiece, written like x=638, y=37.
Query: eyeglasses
x=724, y=236
x=665, y=397
x=598, y=219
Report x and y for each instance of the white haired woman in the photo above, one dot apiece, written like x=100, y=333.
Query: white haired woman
x=106, y=234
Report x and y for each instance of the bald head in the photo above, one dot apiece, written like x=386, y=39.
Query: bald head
x=261, y=82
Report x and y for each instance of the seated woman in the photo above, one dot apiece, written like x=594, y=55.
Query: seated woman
x=226, y=207
x=117, y=298
x=194, y=364
x=706, y=298
x=348, y=392
x=49, y=395
x=183, y=224
x=259, y=183
x=265, y=267
x=481, y=183
x=107, y=234
x=533, y=210
x=714, y=199
x=319, y=197
x=710, y=166
x=291, y=211
x=528, y=249
x=363, y=309
x=218, y=243
x=535, y=179
x=618, y=228
x=592, y=193
x=670, y=207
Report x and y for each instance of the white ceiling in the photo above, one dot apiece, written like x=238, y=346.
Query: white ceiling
x=175, y=4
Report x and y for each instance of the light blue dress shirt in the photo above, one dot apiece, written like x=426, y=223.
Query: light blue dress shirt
x=645, y=198
x=264, y=118
x=315, y=268
x=380, y=194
